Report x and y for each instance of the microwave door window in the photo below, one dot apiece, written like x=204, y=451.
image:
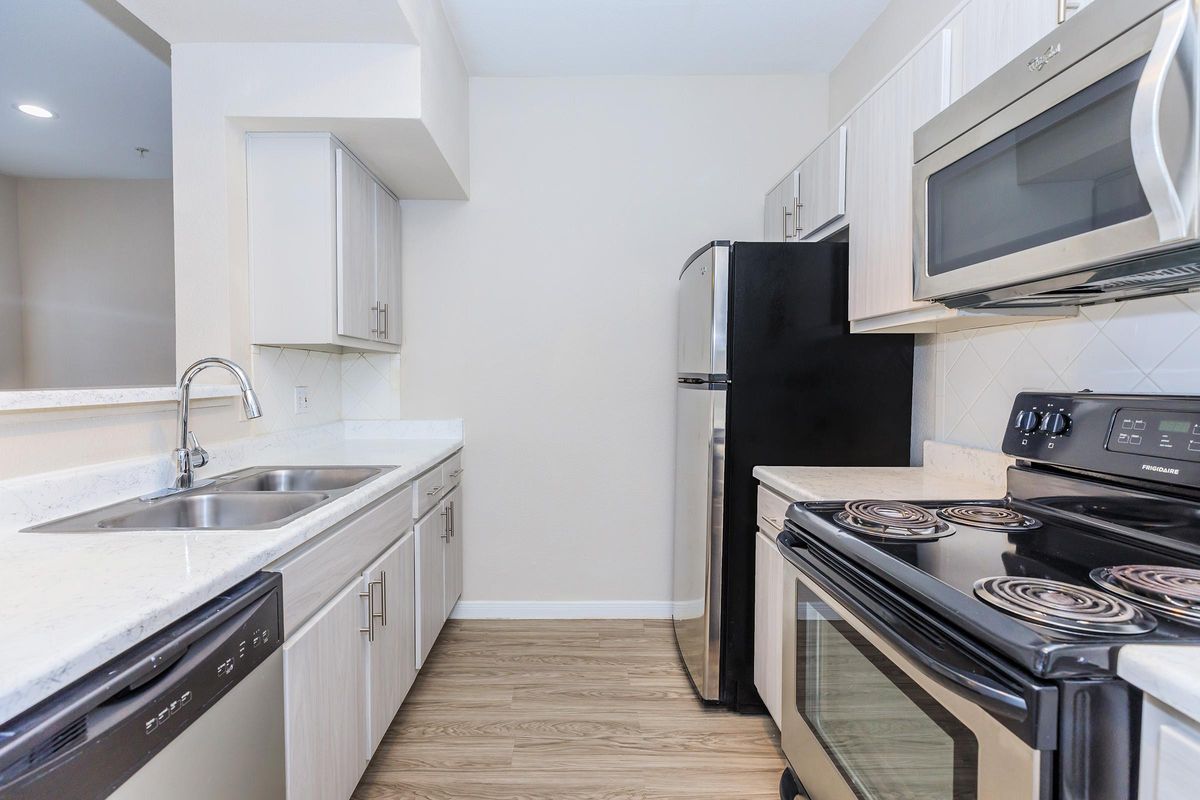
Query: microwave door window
x=1066, y=172
x=887, y=736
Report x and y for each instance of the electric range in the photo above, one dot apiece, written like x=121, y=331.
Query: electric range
x=968, y=648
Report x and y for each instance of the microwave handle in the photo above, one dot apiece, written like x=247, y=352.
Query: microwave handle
x=1176, y=40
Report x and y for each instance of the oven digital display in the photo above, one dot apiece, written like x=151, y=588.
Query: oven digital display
x=1161, y=434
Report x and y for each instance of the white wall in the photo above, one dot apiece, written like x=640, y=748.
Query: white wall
x=97, y=274
x=11, y=347
x=543, y=311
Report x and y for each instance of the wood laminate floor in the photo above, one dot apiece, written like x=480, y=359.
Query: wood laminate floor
x=567, y=710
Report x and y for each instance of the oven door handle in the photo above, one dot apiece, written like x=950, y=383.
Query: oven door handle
x=979, y=689
x=915, y=645
x=1176, y=40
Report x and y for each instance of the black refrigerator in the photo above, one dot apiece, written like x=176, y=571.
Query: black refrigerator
x=767, y=374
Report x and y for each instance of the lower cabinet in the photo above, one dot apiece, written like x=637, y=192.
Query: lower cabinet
x=439, y=569
x=356, y=637
x=453, y=554
x=390, y=645
x=1170, y=753
x=431, y=539
x=768, y=623
x=325, y=691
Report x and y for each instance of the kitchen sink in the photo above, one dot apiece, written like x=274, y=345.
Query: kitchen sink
x=258, y=498
x=217, y=511
x=300, y=479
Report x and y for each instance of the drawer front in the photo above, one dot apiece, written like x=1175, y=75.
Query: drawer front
x=324, y=565
x=428, y=490
x=452, y=469
x=772, y=510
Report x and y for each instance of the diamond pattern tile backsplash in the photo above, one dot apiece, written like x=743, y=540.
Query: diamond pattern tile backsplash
x=340, y=386
x=1150, y=345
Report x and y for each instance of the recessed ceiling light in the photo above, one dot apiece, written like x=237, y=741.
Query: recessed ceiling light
x=35, y=111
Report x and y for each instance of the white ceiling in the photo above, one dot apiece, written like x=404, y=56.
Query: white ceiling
x=112, y=94
x=657, y=37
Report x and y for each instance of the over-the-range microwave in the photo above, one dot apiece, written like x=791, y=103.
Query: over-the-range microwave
x=1068, y=177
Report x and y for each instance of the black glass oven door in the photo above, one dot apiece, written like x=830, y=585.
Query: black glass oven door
x=887, y=736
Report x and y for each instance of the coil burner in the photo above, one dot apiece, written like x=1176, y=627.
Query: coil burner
x=1063, y=606
x=887, y=519
x=1174, y=590
x=992, y=518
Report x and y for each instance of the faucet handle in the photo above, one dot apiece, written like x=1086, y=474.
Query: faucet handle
x=199, y=454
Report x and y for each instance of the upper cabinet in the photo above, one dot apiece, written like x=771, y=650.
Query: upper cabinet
x=879, y=188
x=821, y=188
x=324, y=236
x=993, y=32
x=810, y=202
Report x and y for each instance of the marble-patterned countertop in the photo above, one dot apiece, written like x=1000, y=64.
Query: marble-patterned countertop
x=73, y=601
x=1170, y=674
x=942, y=478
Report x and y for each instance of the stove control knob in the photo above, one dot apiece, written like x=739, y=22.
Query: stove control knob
x=1027, y=421
x=1055, y=423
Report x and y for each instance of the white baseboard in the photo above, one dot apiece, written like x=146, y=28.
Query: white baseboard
x=518, y=609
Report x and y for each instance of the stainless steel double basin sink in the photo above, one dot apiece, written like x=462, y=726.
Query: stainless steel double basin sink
x=258, y=498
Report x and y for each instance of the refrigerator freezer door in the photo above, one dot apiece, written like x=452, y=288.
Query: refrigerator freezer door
x=699, y=528
x=704, y=313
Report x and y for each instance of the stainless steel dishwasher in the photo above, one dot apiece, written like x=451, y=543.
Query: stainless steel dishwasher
x=194, y=711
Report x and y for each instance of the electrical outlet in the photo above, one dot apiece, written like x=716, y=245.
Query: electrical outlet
x=303, y=404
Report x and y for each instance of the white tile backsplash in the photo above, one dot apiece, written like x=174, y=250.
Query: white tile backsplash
x=1149, y=345
x=341, y=386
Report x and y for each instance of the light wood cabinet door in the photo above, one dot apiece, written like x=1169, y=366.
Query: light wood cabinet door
x=355, y=249
x=452, y=508
x=391, y=653
x=325, y=701
x=879, y=187
x=768, y=624
x=993, y=33
x=431, y=537
x=779, y=209
x=1170, y=753
x=387, y=265
x=821, y=187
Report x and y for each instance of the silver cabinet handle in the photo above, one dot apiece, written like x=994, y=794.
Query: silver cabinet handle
x=433, y=491
x=786, y=216
x=450, y=518
x=384, y=309
x=456, y=473
x=799, y=227
x=445, y=515
x=383, y=597
x=375, y=316
x=371, y=613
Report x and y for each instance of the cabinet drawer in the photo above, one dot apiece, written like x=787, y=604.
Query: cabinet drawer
x=452, y=470
x=772, y=510
x=427, y=491
x=324, y=565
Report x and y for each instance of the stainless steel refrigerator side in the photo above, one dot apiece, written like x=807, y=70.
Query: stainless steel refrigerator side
x=699, y=531
x=704, y=314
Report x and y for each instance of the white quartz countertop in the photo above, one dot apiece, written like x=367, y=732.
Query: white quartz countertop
x=73, y=601
x=950, y=473
x=1171, y=674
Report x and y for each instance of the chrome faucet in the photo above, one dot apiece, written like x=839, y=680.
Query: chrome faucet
x=189, y=455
